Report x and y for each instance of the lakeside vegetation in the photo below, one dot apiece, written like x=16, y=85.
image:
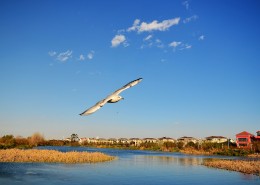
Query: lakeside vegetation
x=244, y=166
x=189, y=148
x=9, y=141
x=52, y=156
x=204, y=148
x=19, y=149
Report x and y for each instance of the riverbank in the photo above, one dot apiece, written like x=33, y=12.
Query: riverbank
x=243, y=166
x=187, y=150
x=52, y=156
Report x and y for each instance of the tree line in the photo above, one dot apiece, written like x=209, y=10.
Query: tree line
x=37, y=139
x=9, y=141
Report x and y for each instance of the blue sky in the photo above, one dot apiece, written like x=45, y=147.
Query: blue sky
x=199, y=61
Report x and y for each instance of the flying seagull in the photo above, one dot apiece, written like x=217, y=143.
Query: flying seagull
x=112, y=98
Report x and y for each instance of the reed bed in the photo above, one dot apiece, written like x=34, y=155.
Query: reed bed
x=52, y=156
x=244, y=166
x=256, y=155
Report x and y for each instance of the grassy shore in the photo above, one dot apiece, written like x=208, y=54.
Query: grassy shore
x=248, y=167
x=52, y=156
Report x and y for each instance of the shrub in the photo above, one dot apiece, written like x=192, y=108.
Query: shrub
x=7, y=141
x=256, y=146
x=180, y=145
x=191, y=144
x=36, y=139
x=169, y=145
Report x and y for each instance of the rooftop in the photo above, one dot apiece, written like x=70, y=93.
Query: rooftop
x=244, y=133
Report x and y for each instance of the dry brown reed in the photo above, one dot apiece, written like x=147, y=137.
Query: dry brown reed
x=52, y=156
x=195, y=152
x=244, y=166
x=256, y=155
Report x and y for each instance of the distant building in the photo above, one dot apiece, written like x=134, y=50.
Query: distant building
x=123, y=140
x=112, y=141
x=102, y=141
x=82, y=140
x=92, y=140
x=216, y=139
x=67, y=139
x=135, y=141
x=244, y=139
x=150, y=140
x=186, y=140
x=166, y=139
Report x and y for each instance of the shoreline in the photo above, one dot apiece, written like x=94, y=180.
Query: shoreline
x=52, y=156
x=189, y=151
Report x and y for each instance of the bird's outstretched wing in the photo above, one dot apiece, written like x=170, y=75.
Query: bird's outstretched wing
x=94, y=108
x=100, y=104
x=130, y=84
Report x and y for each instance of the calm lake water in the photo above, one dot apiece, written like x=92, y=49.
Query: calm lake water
x=131, y=167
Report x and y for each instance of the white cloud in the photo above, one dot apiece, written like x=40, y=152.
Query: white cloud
x=174, y=44
x=63, y=57
x=117, y=40
x=159, y=43
x=135, y=25
x=91, y=55
x=202, y=37
x=154, y=25
x=81, y=57
x=186, y=4
x=179, y=45
x=148, y=37
x=125, y=44
x=52, y=53
x=185, y=46
x=192, y=18
x=149, y=42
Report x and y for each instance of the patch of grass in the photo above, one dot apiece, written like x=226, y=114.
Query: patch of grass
x=244, y=166
x=52, y=156
x=232, y=152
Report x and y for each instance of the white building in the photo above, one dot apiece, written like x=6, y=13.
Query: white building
x=216, y=139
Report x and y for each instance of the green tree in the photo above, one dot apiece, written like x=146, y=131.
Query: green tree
x=7, y=141
x=180, y=145
x=21, y=142
x=169, y=144
x=74, y=138
x=191, y=144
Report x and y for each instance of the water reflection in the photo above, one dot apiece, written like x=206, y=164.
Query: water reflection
x=131, y=167
x=184, y=161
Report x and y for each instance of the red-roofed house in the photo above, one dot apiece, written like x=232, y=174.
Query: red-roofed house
x=244, y=139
